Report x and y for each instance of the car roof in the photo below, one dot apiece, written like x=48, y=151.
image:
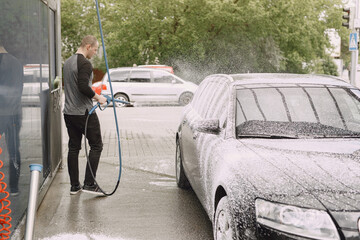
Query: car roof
x=286, y=78
x=135, y=68
x=153, y=65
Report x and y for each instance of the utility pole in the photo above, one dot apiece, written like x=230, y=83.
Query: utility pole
x=355, y=54
x=353, y=23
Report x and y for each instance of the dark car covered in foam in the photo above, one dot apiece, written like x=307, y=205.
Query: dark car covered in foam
x=273, y=156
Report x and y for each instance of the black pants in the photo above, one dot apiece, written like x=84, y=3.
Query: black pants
x=75, y=125
x=10, y=125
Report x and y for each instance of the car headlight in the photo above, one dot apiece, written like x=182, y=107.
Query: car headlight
x=299, y=221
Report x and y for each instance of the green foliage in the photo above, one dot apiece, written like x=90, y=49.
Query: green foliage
x=322, y=66
x=201, y=37
x=78, y=19
x=329, y=67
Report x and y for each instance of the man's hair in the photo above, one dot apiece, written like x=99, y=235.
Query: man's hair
x=88, y=40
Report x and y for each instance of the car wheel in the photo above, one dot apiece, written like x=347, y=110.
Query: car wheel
x=185, y=98
x=224, y=227
x=122, y=97
x=181, y=178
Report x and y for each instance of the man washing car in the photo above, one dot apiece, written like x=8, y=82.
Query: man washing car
x=78, y=77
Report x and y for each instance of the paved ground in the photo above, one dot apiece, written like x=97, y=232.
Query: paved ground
x=148, y=205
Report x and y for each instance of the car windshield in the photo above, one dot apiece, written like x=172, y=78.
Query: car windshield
x=298, y=112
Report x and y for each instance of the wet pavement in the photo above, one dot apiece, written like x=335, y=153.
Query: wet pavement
x=147, y=205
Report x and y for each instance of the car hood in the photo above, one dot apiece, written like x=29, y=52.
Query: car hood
x=313, y=173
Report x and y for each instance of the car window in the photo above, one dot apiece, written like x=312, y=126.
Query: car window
x=163, y=77
x=248, y=106
x=298, y=98
x=206, y=98
x=196, y=101
x=218, y=102
x=119, y=76
x=140, y=76
x=267, y=100
x=325, y=107
x=210, y=100
x=356, y=92
x=298, y=111
x=348, y=106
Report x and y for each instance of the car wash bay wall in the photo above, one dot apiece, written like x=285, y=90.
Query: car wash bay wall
x=30, y=32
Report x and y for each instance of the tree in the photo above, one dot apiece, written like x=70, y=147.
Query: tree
x=201, y=37
x=78, y=19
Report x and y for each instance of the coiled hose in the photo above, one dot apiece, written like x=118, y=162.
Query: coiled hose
x=5, y=210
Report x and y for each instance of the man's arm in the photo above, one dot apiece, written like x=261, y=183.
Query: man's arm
x=84, y=75
x=100, y=98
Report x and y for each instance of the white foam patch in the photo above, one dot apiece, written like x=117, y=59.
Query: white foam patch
x=80, y=236
x=164, y=184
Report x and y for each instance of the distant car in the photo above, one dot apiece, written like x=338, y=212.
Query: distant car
x=162, y=67
x=146, y=85
x=273, y=156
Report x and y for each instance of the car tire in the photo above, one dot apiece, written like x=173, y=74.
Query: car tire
x=185, y=98
x=181, y=178
x=122, y=97
x=224, y=227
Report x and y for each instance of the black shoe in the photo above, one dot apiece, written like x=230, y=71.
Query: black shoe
x=14, y=193
x=93, y=189
x=75, y=189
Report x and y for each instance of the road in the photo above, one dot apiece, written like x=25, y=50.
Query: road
x=147, y=205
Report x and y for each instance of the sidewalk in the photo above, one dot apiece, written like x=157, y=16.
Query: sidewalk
x=147, y=201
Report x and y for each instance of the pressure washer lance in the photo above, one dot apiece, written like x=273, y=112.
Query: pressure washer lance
x=102, y=108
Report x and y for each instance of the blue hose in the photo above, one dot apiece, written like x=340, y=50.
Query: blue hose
x=114, y=107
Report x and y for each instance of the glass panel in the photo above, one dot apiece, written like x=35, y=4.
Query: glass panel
x=218, y=102
x=325, y=107
x=140, y=76
x=196, y=101
x=163, y=77
x=206, y=98
x=271, y=104
x=299, y=105
x=298, y=112
x=119, y=76
x=247, y=101
x=240, y=116
x=24, y=72
x=349, y=107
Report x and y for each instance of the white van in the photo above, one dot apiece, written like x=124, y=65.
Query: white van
x=146, y=85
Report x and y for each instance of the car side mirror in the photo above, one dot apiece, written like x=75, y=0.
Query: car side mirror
x=173, y=81
x=208, y=126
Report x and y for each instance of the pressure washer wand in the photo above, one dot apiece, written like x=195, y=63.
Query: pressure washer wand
x=108, y=101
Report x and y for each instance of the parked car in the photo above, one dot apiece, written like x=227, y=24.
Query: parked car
x=273, y=156
x=146, y=85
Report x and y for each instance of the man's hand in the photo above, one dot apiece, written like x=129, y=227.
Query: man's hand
x=100, y=98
